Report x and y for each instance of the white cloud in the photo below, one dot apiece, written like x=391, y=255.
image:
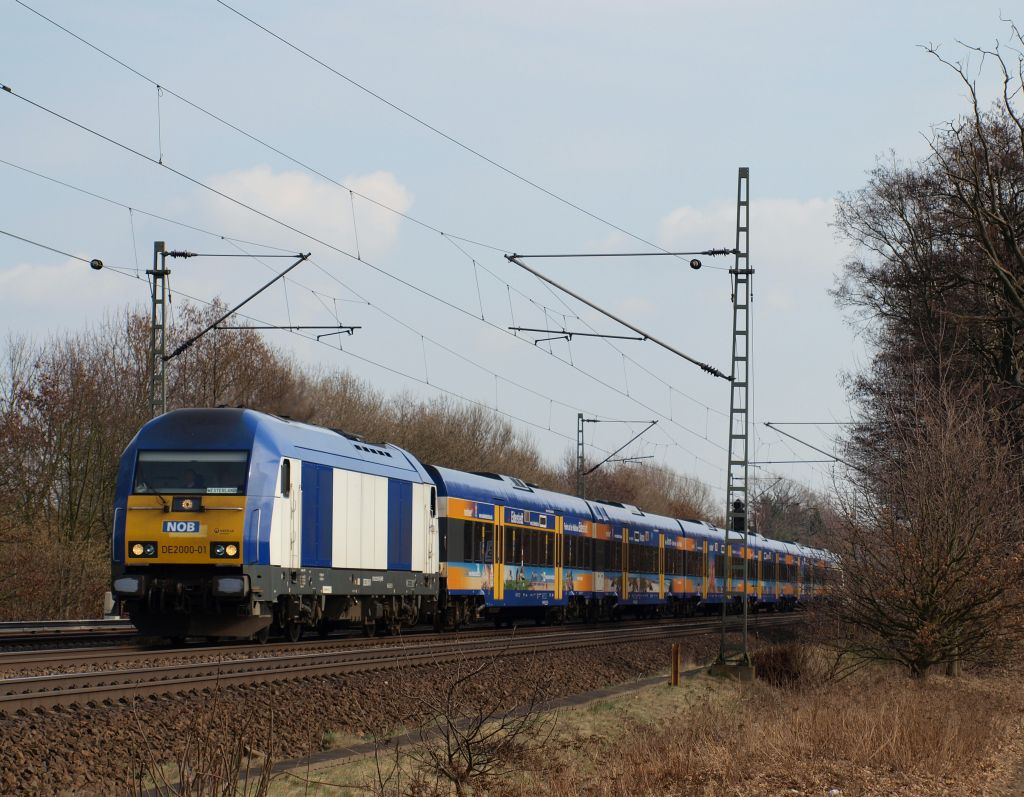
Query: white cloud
x=791, y=245
x=312, y=205
x=786, y=234
x=39, y=299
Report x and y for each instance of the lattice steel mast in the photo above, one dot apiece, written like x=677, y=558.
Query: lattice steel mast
x=158, y=331
x=739, y=421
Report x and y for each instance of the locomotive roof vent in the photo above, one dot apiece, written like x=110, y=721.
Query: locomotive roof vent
x=371, y=450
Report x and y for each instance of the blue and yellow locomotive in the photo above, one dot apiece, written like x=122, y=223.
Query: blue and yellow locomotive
x=231, y=523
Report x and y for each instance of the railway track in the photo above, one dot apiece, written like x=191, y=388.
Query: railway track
x=64, y=632
x=93, y=688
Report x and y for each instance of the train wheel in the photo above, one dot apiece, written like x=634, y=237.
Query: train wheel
x=370, y=628
x=293, y=631
x=262, y=636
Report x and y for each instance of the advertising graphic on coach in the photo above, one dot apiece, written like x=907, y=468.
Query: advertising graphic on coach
x=684, y=566
x=469, y=532
x=578, y=556
x=643, y=553
x=531, y=557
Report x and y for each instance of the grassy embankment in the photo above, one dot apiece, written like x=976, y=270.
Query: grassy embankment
x=875, y=733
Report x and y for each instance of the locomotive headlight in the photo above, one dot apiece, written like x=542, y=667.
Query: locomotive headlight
x=143, y=550
x=224, y=550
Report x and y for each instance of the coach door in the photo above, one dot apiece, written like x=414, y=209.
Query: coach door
x=708, y=574
x=291, y=475
x=558, y=561
x=625, y=563
x=499, y=553
x=661, y=566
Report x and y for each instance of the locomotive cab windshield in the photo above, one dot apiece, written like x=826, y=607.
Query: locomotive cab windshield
x=191, y=472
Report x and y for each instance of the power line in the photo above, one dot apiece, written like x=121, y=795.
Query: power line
x=291, y=158
x=263, y=325
x=771, y=425
x=235, y=242
x=132, y=208
x=447, y=236
x=708, y=252
x=513, y=258
x=330, y=246
x=252, y=137
x=439, y=132
x=190, y=341
x=390, y=369
x=382, y=366
x=54, y=249
x=635, y=362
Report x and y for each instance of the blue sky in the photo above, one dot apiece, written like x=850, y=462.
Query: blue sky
x=639, y=112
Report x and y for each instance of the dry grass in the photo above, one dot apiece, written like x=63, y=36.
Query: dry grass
x=877, y=733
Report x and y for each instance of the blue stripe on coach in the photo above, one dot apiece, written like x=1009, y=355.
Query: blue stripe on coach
x=317, y=514
x=399, y=525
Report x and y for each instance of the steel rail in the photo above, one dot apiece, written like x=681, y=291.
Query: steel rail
x=60, y=656
x=20, y=694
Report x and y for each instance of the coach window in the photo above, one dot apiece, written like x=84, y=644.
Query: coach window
x=286, y=477
x=650, y=559
x=536, y=547
x=510, y=546
x=469, y=547
x=487, y=537
x=455, y=540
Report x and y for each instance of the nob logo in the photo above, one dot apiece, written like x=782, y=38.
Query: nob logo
x=181, y=526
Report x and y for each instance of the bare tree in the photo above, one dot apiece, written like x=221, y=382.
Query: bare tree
x=939, y=275
x=930, y=539
x=477, y=722
x=787, y=510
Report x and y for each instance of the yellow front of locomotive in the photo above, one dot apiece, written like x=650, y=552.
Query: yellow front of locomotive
x=186, y=508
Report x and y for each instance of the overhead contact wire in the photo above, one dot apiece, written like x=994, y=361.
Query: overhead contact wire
x=8, y=90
